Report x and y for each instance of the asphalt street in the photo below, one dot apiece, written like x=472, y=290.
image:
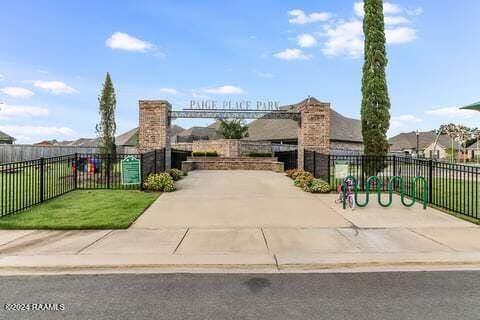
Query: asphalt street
x=389, y=295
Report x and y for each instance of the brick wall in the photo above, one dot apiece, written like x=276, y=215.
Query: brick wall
x=314, y=129
x=231, y=147
x=153, y=127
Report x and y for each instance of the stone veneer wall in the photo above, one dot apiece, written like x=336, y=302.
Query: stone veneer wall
x=154, y=126
x=314, y=129
x=231, y=147
x=218, y=163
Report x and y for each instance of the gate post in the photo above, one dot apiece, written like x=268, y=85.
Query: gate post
x=314, y=128
x=154, y=127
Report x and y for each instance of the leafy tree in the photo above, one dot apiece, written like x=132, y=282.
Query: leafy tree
x=459, y=133
x=106, y=127
x=375, y=111
x=233, y=129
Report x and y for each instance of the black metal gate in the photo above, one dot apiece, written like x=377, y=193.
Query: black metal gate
x=178, y=156
x=289, y=158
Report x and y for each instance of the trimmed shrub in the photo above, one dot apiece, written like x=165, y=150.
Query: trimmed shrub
x=317, y=186
x=175, y=174
x=298, y=172
x=303, y=179
x=159, y=182
x=260, y=154
x=205, y=154
x=289, y=173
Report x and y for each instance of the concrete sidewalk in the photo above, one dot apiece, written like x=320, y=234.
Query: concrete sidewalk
x=253, y=221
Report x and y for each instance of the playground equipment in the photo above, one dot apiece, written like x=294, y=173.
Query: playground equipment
x=391, y=188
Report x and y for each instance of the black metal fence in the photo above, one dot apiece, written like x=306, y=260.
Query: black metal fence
x=453, y=187
x=178, y=156
x=289, y=158
x=27, y=183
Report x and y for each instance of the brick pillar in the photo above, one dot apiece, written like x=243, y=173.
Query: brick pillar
x=154, y=126
x=314, y=129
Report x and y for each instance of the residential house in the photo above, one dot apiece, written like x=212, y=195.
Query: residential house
x=6, y=139
x=406, y=143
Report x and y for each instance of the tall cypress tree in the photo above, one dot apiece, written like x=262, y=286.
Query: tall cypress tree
x=375, y=110
x=106, y=127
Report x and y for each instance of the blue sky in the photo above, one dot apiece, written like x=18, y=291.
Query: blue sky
x=54, y=56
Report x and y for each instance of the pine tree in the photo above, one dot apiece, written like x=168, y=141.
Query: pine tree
x=106, y=127
x=375, y=112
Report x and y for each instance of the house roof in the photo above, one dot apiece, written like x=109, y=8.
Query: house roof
x=474, y=146
x=341, y=127
x=408, y=141
x=211, y=133
x=4, y=136
x=129, y=138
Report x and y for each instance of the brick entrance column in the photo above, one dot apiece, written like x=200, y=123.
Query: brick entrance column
x=314, y=129
x=154, y=126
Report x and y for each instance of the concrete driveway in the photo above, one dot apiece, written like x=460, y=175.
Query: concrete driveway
x=239, y=199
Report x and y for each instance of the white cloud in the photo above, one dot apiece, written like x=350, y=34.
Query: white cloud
x=415, y=12
x=400, y=35
x=199, y=95
x=55, y=87
x=291, y=54
x=298, y=16
x=123, y=41
x=170, y=91
x=12, y=111
x=17, y=92
x=391, y=8
x=395, y=20
x=2, y=76
x=451, y=112
x=28, y=134
x=306, y=40
x=358, y=8
x=226, y=89
x=344, y=39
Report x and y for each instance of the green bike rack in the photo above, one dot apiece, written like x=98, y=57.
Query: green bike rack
x=391, y=188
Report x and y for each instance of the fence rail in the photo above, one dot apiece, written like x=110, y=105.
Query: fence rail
x=23, y=152
x=453, y=187
x=27, y=183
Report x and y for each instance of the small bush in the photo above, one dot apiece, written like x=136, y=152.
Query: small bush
x=260, y=154
x=303, y=179
x=175, y=174
x=317, y=186
x=205, y=154
x=159, y=182
x=297, y=173
x=289, y=173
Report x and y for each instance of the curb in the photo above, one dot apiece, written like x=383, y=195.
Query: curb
x=355, y=262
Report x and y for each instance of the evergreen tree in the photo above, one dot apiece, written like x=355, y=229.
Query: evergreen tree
x=106, y=127
x=375, y=112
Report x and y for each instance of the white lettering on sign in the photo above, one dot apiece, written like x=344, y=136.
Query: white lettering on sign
x=242, y=105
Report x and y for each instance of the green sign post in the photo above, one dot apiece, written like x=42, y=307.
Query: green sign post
x=130, y=170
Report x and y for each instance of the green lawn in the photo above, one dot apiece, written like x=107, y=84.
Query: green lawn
x=84, y=209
